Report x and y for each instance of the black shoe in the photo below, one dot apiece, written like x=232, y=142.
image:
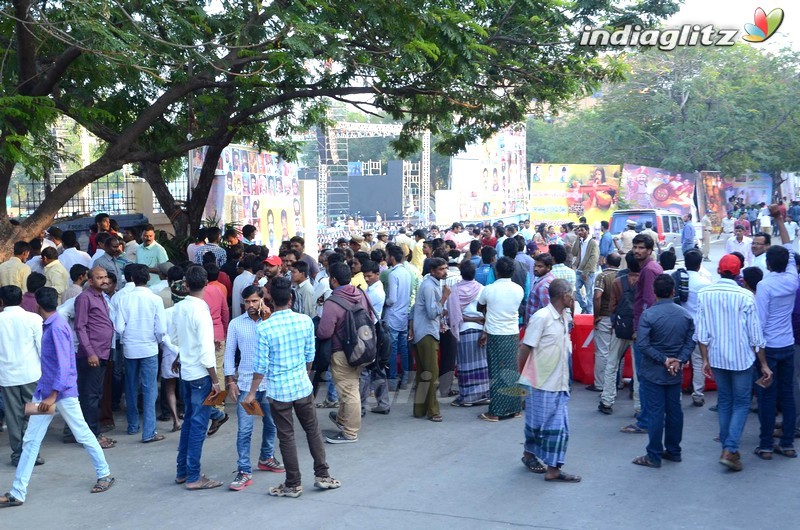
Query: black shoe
x=671, y=457
x=604, y=409
x=592, y=388
x=216, y=424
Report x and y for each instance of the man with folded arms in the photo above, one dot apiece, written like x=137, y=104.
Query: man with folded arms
x=58, y=387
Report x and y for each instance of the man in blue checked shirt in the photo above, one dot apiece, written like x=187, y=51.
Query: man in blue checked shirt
x=284, y=355
x=243, y=335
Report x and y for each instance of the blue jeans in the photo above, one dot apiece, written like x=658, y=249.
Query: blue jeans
x=587, y=304
x=70, y=410
x=332, y=395
x=644, y=411
x=399, y=347
x=781, y=362
x=195, y=425
x=665, y=423
x=142, y=371
x=245, y=432
x=734, y=389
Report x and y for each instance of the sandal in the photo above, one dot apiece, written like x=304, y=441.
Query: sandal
x=106, y=443
x=534, y=465
x=633, y=429
x=156, y=438
x=176, y=427
x=645, y=461
x=763, y=454
x=457, y=403
x=8, y=501
x=204, y=484
x=437, y=419
x=103, y=484
x=180, y=480
x=788, y=452
x=563, y=477
x=485, y=416
x=326, y=483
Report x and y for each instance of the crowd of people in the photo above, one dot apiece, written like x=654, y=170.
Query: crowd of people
x=481, y=316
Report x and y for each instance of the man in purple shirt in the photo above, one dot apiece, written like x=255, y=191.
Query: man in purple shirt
x=95, y=332
x=57, y=387
x=644, y=297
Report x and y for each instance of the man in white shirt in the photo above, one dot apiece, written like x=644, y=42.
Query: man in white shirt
x=693, y=261
x=20, y=369
x=545, y=352
x=728, y=227
x=500, y=303
x=740, y=243
x=373, y=376
x=141, y=324
x=303, y=289
x=72, y=255
x=192, y=333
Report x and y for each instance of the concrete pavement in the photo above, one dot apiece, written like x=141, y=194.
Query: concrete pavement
x=407, y=472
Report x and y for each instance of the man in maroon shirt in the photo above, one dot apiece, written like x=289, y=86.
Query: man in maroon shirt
x=95, y=332
x=643, y=298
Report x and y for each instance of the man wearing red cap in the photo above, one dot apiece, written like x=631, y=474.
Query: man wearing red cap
x=728, y=331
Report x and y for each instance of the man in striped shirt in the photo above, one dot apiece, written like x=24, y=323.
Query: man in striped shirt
x=728, y=330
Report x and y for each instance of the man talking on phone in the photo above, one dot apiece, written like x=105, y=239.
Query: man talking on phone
x=242, y=334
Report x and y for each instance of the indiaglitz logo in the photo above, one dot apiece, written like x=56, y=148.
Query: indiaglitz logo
x=765, y=25
x=667, y=39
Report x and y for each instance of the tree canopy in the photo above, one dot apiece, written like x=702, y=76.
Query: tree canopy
x=728, y=109
x=155, y=79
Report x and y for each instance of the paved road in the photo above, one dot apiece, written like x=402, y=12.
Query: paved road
x=406, y=472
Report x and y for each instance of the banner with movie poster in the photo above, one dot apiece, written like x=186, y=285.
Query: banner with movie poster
x=256, y=188
x=489, y=179
x=652, y=187
x=564, y=192
x=716, y=193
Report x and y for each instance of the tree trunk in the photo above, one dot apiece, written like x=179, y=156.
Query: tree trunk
x=178, y=217
x=197, y=202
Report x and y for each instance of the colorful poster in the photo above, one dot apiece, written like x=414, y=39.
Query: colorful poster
x=490, y=178
x=718, y=193
x=652, y=187
x=561, y=193
x=256, y=188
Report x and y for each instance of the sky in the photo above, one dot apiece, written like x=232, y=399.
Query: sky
x=735, y=13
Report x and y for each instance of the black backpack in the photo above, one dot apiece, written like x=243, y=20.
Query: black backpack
x=622, y=319
x=359, y=339
x=681, y=278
